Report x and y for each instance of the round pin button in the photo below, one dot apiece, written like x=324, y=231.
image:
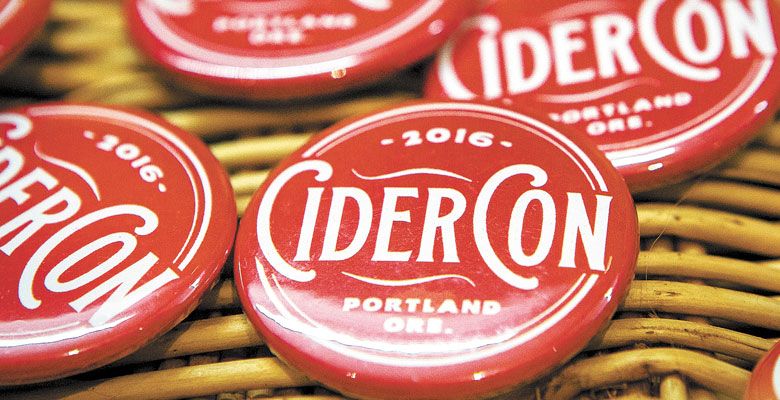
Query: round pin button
x=665, y=88
x=113, y=223
x=436, y=251
x=19, y=22
x=765, y=381
x=290, y=49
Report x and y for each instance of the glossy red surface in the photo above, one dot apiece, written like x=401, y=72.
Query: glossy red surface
x=665, y=88
x=20, y=20
x=436, y=251
x=284, y=49
x=113, y=223
x=765, y=381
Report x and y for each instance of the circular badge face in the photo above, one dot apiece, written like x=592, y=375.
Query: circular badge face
x=436, y=250
x=665, y=88
x=112, y=225
x=19, y=22
x=765, y=381
x=286, y=49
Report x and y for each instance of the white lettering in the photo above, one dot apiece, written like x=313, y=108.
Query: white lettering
x=393, y=305
x=516, y=227
x=389, y=216
x=593, y=235
x=14, y=161
x=39, y=216
x=612, y=35
x=16, y=191
x=491, y=307
x=22, y=125
x=447, y=306
x=128, y=243
x=648, y=33
x=488, y=54
x=471, y=307
x=394, y=324
x=564, y=47
x=528, y=55
x=308, y=223
x=434, y=326
x=372, y=304
x=518, y=80
x=415, y=325
x=428, y=307
x=538, y=179
x=713, y=31
x=123, y=295
x=445, y=223
x=351, y=303
x=754, y=25
x=324, y=172
x=365, y=211
x=26, y=295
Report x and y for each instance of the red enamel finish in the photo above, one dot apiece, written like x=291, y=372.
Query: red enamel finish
x=765, y=381
x=20, y=21
x=280, y=49
x=387, y=305
x=665, y=88
x=132, y=220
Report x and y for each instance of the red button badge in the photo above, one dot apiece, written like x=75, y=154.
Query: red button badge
x=665, y=88
x=20, y=20
x=765, y=381
x=436, y=251
x=113, y=223
x=290, y=49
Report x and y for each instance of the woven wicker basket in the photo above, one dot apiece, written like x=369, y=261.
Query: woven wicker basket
x=704, y=307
